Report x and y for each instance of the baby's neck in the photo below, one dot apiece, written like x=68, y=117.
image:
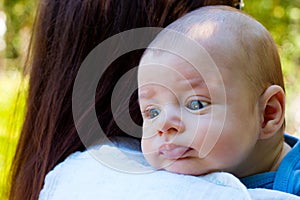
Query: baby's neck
x=266, y=157
x=284, y=150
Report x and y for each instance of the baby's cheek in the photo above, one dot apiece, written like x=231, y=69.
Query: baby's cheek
x=146, y=146
x=148, y=131
x=150, y=153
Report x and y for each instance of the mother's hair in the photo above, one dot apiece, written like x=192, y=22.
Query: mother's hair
x=65, y=32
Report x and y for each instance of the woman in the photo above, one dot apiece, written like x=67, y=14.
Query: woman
x=65, y=32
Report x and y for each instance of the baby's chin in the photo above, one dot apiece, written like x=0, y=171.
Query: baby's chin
x=186, y=171
x=183, y=166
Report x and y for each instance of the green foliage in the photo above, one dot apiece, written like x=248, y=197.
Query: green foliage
x=13, y=90
x=20, y=16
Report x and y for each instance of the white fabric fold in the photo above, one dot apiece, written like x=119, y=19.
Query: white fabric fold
x=108, y=172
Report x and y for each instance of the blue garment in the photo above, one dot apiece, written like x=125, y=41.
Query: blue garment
x=286, y=178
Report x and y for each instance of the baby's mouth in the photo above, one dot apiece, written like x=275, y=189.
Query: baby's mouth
x=173, y=152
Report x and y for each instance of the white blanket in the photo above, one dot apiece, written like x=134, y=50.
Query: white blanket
x=105, y=172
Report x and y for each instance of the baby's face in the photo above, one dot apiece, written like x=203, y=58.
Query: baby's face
x=196, y=119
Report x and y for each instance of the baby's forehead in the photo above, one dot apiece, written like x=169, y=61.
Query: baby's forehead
x=164, y=61
x=196, y=47
x=193, y=71
x=192, y=63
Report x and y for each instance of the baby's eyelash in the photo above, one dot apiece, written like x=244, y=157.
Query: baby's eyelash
x=151, y=113
x=196, y=104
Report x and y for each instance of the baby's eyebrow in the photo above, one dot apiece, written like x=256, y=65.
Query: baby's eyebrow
x=146, y=92
x=198, y=82
x=193, y=83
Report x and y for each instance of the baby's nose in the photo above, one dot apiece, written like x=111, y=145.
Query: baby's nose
x=172, y=122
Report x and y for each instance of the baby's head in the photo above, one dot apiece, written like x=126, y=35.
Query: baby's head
x=215, y=101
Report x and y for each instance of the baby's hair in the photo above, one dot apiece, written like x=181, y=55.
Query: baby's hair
x=249, y=43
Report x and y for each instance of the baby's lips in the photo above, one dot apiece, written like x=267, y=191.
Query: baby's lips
x=172, y=151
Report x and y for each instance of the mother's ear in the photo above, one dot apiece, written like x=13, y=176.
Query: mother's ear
x=272, y=108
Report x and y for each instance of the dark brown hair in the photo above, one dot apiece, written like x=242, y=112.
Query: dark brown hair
x=65, y=32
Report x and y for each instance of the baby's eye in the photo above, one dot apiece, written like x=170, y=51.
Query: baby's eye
x=196, y=104
x=151, y=113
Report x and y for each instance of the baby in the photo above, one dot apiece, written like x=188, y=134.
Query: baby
x=212, y=97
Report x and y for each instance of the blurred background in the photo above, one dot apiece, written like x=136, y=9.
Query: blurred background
x=280, y=17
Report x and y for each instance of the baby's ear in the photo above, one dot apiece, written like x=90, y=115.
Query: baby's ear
x=272, y=107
